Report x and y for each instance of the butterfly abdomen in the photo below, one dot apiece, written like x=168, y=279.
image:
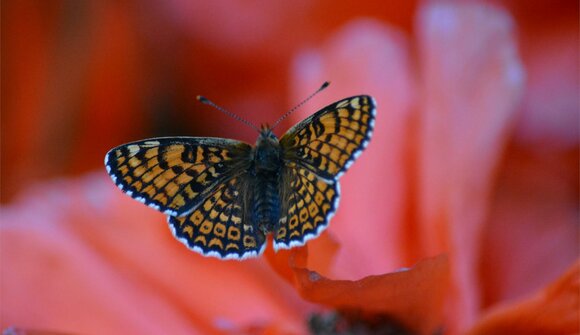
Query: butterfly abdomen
x=266, y=209
x=266, y=170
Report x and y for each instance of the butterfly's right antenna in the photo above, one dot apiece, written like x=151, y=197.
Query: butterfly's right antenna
x=228, y=113
x=324, y=85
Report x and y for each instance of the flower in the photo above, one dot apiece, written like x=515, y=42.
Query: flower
x=467, y=192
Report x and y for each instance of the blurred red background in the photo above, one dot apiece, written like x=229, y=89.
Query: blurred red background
x=80, y=77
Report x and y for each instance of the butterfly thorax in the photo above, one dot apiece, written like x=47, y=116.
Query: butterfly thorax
x=266, y=169
x=267, y=153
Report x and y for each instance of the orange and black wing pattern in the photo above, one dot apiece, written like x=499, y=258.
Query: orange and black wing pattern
x=309, y=205
x=220, y=226
x=175, y=174
x=317, y=151
x=327, y=142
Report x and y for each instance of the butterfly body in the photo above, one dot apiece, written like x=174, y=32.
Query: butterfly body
x=223, y=197
x=266, y=172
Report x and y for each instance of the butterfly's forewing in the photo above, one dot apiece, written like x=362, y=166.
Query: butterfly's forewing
x=309, y=205
x=328, y=141
x=175, y=175
x=220, y=226
x=317, y=151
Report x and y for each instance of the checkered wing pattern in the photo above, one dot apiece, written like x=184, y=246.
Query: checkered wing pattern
x=175, y=175
x=219, y=227
x=309, y=204
x=317, y=151
x=327, y=142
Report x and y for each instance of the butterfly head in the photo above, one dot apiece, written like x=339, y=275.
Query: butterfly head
x=267, y=150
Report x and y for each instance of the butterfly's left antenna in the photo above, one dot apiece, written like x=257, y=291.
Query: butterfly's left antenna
x=323, y=86
x=226, y=112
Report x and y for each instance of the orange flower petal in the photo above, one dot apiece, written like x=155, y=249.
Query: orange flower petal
x=554, y=310
x=78, y=256
x=413, y=296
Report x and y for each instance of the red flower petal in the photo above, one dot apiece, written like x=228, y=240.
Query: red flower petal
x=413, y=296
x=554, y=310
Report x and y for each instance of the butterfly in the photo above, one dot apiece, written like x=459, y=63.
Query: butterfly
x=223, y=196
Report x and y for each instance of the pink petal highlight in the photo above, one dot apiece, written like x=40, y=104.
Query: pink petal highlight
x=366, y=57
x=472, y=83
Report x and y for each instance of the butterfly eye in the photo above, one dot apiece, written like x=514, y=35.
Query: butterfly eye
x=300, y=151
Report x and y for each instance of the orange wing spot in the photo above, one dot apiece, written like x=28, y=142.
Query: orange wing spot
x=213, y=214
x=153, y=162
x=318, y=198
x=123, y=169
x=295, y=233
x=232, y=246
x=201, y=240
x=138, y=185
x=216, y=241
x=233, y=234
x=128, y=180
x=303, y=215
x=365, y=118
x=351, y=147
x=139, y=171
x=189, y=231
x=196, y=218
x=334, y=155
x=320, y=185
x=293, y=222
x=330, y=193
x=325, y=149
x=190, y=194
x=338, y=141
x=281, y=233
x=134, y=161
x=343, y=113
x=249, y=242
x=199, y=155
x=318, y=220
x=208, y=205
x=206, y=227
x=300, y=203
x=183, y=179
x=306, y=226
x=171, y=190
x=153, y=152
x=160, y=197
x=178, y=201
x=219, y=230
x=313, y=209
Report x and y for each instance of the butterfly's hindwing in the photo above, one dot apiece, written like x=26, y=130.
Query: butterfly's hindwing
x=309, y=203
x=175, y=175
x=327, y=142
x=220, y=227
